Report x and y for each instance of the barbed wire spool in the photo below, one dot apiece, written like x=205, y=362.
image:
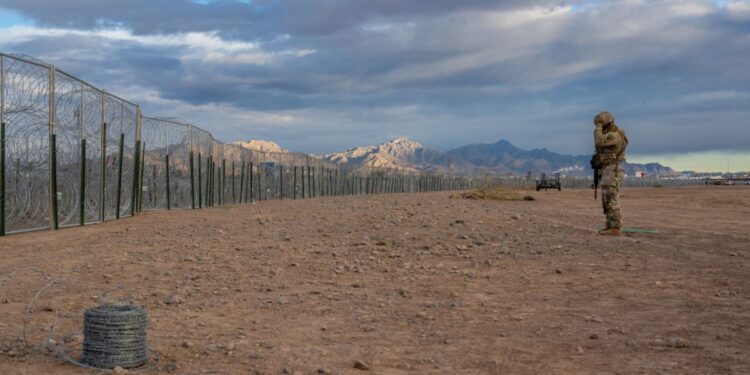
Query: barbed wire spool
x=115, y=335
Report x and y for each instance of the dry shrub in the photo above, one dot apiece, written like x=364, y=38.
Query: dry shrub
x=497, y=194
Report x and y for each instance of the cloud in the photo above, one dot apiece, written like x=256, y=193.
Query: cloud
x=714, y=96
x=206, y=47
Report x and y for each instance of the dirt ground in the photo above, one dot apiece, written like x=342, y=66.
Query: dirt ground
x=403, y=284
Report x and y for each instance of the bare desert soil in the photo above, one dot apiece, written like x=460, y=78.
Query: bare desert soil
x=404, y=284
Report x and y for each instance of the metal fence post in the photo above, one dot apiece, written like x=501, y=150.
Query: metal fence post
x=209, y=179
x=310, y=184
x=166, y=164
x=249, y=197
x=136, y=163
x=200, y=186
x=142, y=168
x=2, y=178
x=268, y=181
x=192, y=167
x=223, y=181
x=169, y=201
x=53, y=149
x=119, y=175
x=82, y=164
x=120, y=154
x=281, y=182
x=260, y=197
x=213, y=179
x=242, y=180
x=53, y=179
x=102, y=180
x=250, y=187
x=311, y=173
x=330, y=182
x=82, y=206
x=2, y=145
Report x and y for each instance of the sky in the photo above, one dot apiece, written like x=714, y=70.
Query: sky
x=320, y=76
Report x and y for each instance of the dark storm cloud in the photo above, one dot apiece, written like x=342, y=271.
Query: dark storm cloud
x=335, y=74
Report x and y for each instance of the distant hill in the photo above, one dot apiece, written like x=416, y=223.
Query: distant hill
x=401, y=154
x=501, y=157
x=260, y=145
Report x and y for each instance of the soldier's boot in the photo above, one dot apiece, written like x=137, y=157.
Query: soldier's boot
x=610, y=232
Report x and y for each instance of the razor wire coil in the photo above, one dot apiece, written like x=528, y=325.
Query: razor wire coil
x=115, y=335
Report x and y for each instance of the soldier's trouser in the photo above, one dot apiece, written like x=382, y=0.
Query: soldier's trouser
x=610, y=183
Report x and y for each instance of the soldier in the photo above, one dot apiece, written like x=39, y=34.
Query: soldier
x=611, y=143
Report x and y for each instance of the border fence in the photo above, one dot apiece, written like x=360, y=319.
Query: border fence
x=73, y=154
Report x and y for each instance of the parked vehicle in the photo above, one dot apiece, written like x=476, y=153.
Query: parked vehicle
x=544, y=183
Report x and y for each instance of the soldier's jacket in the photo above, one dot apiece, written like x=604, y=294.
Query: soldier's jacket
x=610, y=145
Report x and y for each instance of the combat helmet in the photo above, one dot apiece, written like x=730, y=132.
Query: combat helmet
x=604, y=118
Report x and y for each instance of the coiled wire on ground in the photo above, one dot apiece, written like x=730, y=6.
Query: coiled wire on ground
x=115, y=335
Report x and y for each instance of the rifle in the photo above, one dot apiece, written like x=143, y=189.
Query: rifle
x=596, y=167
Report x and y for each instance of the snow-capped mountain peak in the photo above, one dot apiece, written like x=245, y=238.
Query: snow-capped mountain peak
x=402, y=154
x=261, y=145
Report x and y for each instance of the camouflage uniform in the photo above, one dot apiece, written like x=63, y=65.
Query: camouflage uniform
x=611, y=143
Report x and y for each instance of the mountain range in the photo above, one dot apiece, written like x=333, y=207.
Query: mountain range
x=502, y=157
